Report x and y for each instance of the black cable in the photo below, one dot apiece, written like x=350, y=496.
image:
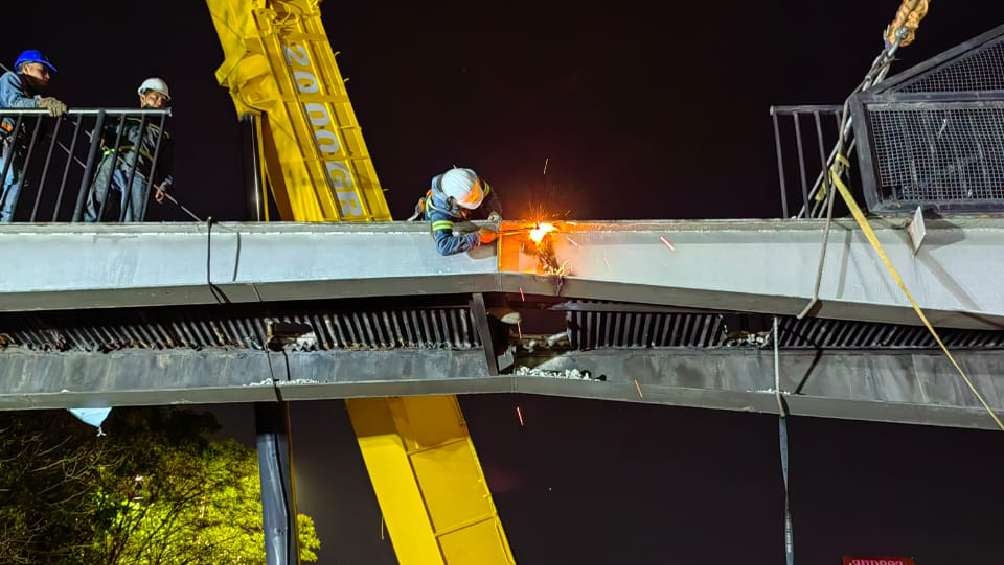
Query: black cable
x=782, y=430
x=218, y=294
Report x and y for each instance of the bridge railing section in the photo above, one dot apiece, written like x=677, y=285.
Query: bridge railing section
x=940, y=152
x=803, y=138
x=98, y=164
x=931, y=137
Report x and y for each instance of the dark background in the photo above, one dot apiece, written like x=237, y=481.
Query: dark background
x=641, y=113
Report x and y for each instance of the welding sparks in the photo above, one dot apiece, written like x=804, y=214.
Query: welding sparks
x=668, y=244
x=521, y=295
x=537, y=234
x=563, y=269
x=519, y=328
x=638, y=388
x=572, y=241
x=519, y=415
x=609, y=268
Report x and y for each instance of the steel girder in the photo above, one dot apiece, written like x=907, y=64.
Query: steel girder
x=889, y=386
x=742, y=265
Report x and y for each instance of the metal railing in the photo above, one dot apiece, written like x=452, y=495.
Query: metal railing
x=932, y=137
x=89, y=165
x=945, y=155
x=800, y=161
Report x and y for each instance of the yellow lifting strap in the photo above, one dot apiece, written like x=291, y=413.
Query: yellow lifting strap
x=908, y=17
x=836, y=174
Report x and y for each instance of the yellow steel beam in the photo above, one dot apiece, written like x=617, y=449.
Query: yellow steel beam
x=418, y=449
x=425, y=471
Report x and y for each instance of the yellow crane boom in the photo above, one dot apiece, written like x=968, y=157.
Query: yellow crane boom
x=419, y=454
x=279, y=66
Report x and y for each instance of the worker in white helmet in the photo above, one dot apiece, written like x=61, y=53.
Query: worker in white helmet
x=133, y=160
x=450, y=205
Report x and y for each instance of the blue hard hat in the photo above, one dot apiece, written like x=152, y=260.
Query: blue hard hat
x=32, y=56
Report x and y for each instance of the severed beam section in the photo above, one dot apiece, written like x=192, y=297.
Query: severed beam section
x=741, y=265
x=917, y=387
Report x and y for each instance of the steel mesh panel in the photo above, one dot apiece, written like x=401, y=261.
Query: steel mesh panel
x=939, y=152
x=979, y=71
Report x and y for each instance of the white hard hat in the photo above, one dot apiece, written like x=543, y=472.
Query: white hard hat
x=464, y=186
x=156, y=85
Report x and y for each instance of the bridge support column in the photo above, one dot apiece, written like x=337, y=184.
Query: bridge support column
x=278, y=496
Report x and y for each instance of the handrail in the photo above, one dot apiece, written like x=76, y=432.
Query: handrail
x=112, y=155
x=89, y=112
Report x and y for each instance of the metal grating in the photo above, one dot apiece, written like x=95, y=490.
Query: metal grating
x=943, y=154
x=607, y=325
x=595, y=329
x=450, y=327
x=981, y=70
x=814, y=333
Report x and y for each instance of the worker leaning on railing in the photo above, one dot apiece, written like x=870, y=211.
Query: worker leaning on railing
x=450, y=205
x=21, y=88
x=136, y=149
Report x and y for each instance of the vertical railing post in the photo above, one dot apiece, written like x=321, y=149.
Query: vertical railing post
x=85, y=183
x=145, y=198
x=801, y=163
x=54, y=138
x=112, y=165
x=127, y=195
x=780, y=164
x=24, y=165
x=70, y=156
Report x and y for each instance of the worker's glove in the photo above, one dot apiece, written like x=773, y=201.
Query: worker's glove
x=55, y=107
x=160, y=190
x=486, y=236
x=494, y=217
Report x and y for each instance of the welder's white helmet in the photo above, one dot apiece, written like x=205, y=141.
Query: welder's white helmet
x=156, y=85
x=464, y=186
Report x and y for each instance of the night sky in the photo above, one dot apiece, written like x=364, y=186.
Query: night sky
x=640, y=114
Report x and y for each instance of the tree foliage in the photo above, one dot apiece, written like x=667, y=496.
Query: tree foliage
x=156, y=491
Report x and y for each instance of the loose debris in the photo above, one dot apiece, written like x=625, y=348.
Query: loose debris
x=270, y=382
x=263, y=382
x=573, y=374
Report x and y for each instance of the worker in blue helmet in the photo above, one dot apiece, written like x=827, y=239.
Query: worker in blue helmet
x=455, y=198
x=23, y=87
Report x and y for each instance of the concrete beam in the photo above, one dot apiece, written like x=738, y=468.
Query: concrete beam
x=742, y=265
x=905, y=387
